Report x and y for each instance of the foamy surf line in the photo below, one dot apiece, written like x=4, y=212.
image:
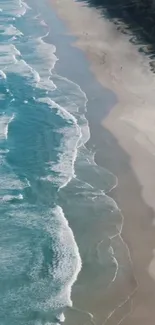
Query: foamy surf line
x=14, y=9
x=59, y=167
x=4, y=125
x=108, y=320
x=74, y=136
x=78, y=263
x=12, y=62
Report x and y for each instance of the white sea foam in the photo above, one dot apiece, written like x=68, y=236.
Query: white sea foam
x=64, y=167
x=11, y=182
x=85, y=131
x=11, y=61
x=62, y=270
x=27, y=183
x=24, y=69
x=44, y=62
x=7, y=49
x=76, y=97
x=8, y=57
x=74, y=101
x=24, y=4
x=4, y=151
x=61, y=111
x=15, y=50
x=23, y=8
x=47, y=52
x=12, y=31
x=2, y=75
x=69, y=247
x=66, y=263
x=8, y=198
x=42, y=22
x=16, y=8
x=12, y=100
x=73, y=136
x=20, y=67
x=4, y=125
x=40, y=69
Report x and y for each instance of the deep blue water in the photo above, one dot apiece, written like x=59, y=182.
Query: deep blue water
x=52, y=194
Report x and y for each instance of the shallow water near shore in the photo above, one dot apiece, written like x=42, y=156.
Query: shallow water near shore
x=57, y=220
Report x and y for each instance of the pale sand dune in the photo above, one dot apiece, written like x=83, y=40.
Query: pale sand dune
x=118, y=65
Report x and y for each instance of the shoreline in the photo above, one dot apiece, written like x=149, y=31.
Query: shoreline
x=134, y=198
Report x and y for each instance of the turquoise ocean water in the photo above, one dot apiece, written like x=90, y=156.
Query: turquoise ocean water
x=52, y=194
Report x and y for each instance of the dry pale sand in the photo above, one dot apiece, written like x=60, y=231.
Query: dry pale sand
x=118, y=65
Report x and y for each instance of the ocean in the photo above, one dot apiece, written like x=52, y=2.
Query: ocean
x=57, y=224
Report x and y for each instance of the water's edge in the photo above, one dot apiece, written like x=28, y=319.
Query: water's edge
x=55, y=202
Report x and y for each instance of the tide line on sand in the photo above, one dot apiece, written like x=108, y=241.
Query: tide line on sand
x=118, y=65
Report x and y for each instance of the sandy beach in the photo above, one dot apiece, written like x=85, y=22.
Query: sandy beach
x=117, y=65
